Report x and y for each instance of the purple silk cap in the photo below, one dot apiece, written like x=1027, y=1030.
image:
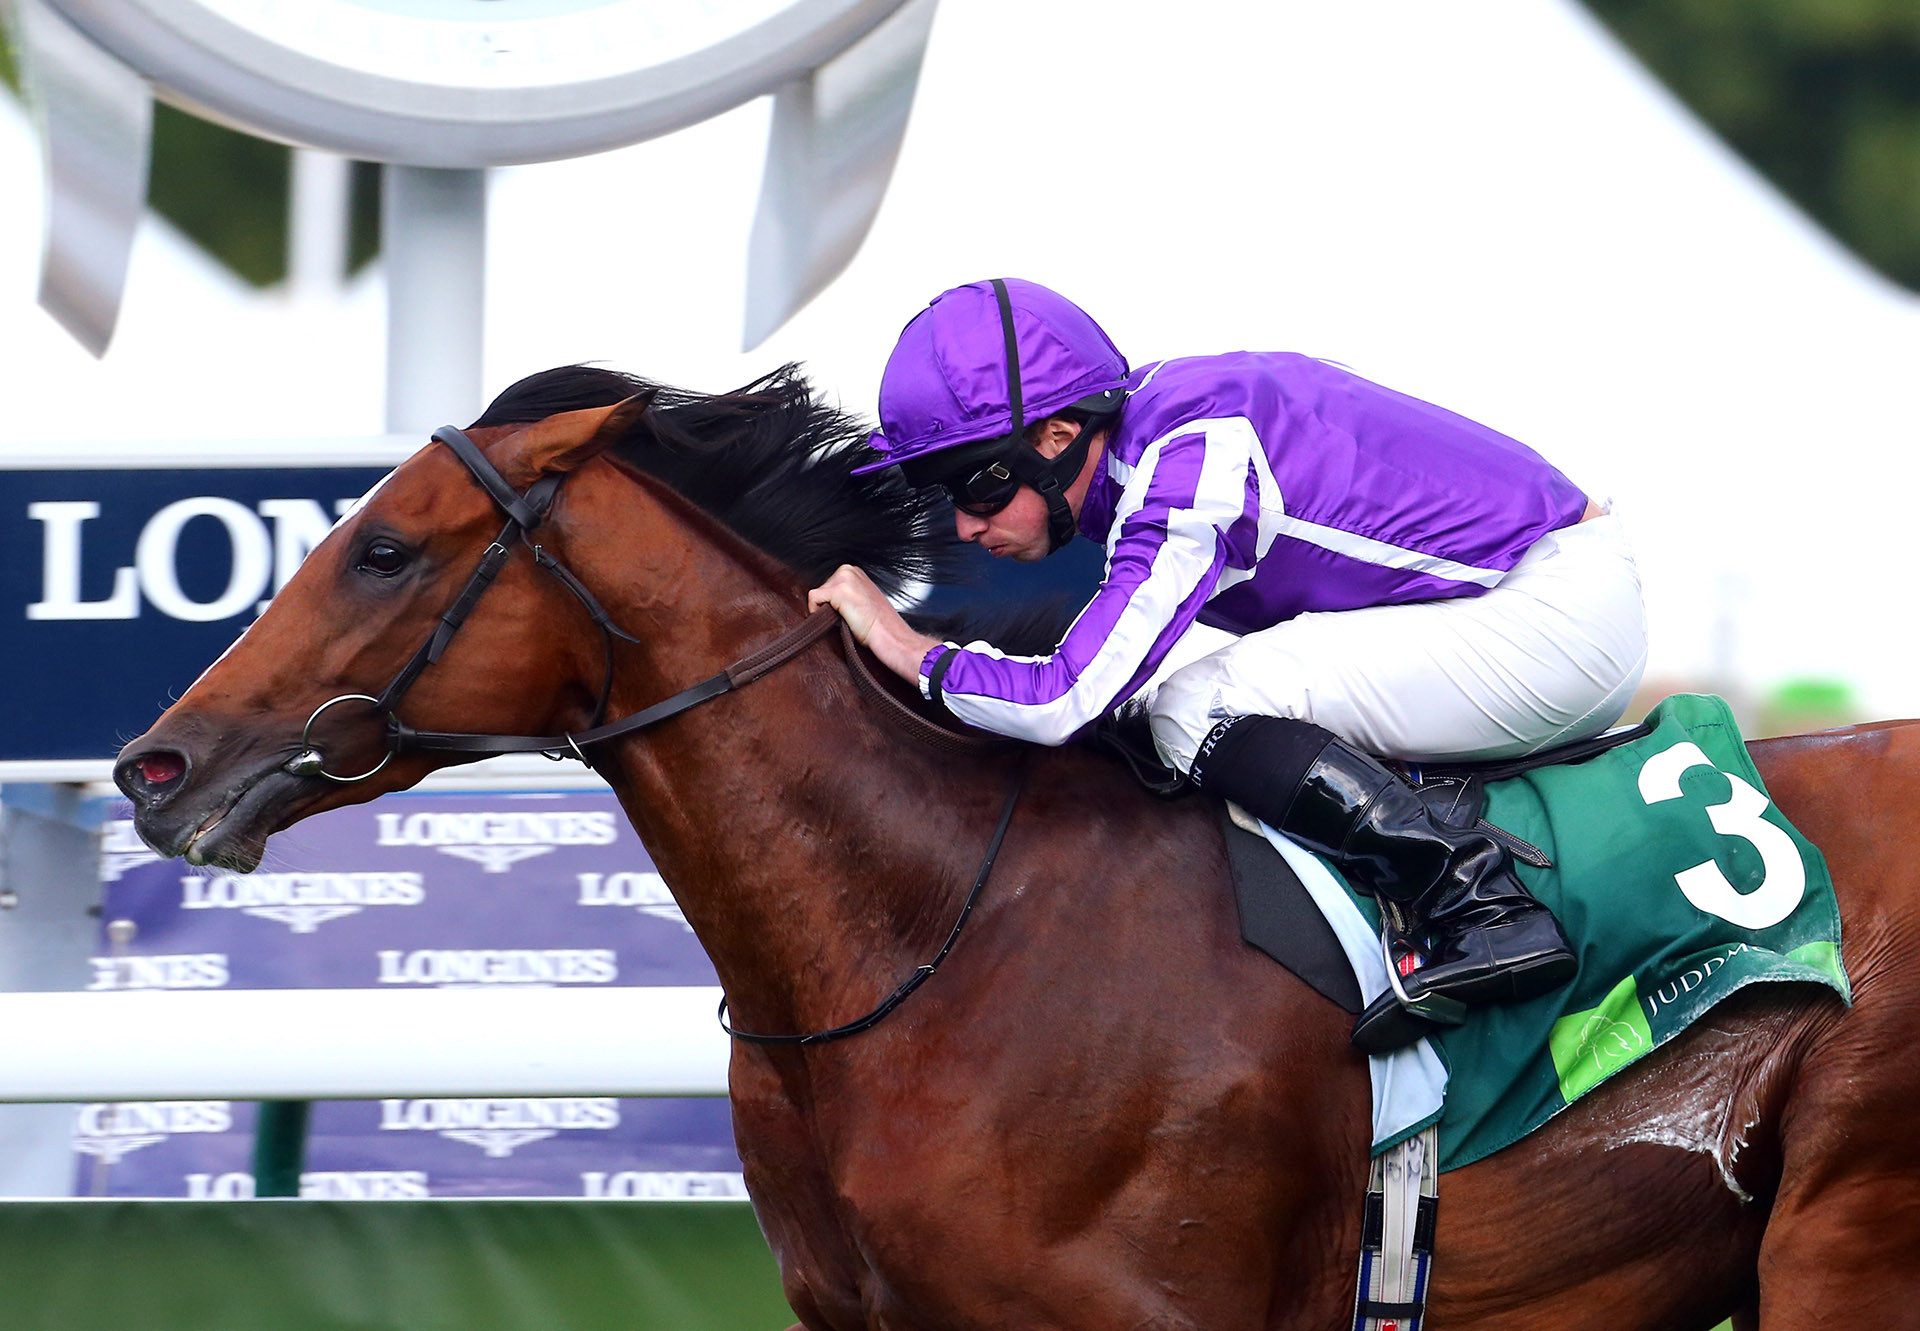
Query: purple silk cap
x=946, y=382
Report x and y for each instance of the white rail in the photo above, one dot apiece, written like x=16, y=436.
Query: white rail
x=348, y=1044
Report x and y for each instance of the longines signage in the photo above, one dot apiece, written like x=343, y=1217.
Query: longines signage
x=120, y=584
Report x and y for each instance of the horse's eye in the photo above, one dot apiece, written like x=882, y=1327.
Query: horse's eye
x=383, y=559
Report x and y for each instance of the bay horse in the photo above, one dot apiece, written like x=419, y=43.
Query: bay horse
x=1105, y=1111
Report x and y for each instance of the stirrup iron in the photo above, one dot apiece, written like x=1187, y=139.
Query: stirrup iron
x=1396, y=1018
x=1435, y=1007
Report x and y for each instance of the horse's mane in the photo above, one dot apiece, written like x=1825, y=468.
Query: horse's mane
x=769, y=460
x=774, y=463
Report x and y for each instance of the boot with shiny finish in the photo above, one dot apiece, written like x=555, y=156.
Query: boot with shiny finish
x=1488, y=940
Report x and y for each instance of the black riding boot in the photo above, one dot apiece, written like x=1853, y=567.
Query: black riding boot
x=1488, y=940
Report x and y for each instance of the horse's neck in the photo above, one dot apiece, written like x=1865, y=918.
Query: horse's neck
x=790, y=822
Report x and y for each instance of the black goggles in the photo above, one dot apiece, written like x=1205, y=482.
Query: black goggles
x=980, y=486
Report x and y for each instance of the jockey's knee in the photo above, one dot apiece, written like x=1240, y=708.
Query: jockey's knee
x=1175, y=736
x=1196, y=698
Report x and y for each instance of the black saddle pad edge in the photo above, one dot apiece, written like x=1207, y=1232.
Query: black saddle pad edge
x=1502, y=769
x=1278, y=917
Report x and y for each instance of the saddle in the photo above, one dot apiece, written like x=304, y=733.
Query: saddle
x=1277, y=916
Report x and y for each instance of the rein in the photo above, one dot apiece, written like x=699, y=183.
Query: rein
x=741, y=673
x=524, y=513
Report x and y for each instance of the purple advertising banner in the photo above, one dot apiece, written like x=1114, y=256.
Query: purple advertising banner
x=413, y=890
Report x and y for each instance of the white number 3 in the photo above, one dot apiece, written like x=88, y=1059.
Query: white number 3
x=1784, y=878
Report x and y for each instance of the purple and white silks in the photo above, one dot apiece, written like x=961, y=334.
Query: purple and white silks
x=1244, y=489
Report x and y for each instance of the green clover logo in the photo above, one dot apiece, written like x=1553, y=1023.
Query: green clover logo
x=1588, y=1047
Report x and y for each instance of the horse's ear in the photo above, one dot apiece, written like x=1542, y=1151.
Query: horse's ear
x=564, y=442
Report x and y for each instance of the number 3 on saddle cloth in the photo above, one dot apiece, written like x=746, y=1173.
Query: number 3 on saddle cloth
x=1671, y=871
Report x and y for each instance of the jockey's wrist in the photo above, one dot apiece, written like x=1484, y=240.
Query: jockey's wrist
x=899, y=648
x=933, y=668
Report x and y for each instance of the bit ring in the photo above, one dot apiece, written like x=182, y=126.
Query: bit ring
x=311, y=761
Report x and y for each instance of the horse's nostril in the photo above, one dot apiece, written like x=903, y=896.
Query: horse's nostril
x=150, y=777
x=160, y=767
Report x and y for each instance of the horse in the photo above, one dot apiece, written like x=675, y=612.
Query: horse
x=1104, y=1110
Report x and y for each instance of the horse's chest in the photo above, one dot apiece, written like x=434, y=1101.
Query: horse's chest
x=883, y=1218
x=850, y=1187
x=998, y=1212
x=854, y=1254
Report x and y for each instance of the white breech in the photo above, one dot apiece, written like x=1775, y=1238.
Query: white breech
x=1551, y=654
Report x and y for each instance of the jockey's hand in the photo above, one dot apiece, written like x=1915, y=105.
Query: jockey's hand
x=873, y=621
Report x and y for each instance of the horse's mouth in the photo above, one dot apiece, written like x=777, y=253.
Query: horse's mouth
x=193, y=853
x=233, y=835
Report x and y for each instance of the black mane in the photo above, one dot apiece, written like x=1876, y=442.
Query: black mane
x=769, y=460
x=774, y=463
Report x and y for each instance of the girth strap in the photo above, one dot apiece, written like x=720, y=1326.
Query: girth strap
x=1397, y=1232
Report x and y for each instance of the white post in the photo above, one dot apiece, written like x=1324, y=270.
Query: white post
x=433, y=239
x=318, y=219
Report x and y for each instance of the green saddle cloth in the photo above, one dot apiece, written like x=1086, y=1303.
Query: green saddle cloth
x=1679, y=883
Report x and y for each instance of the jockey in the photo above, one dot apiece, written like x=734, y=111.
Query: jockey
x=1391, y=579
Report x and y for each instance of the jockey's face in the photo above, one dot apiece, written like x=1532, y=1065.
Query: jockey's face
x=1019, y=531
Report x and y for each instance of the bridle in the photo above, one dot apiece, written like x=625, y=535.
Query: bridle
x=525, y=512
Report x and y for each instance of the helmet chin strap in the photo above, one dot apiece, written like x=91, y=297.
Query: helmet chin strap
x=1051, y=477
